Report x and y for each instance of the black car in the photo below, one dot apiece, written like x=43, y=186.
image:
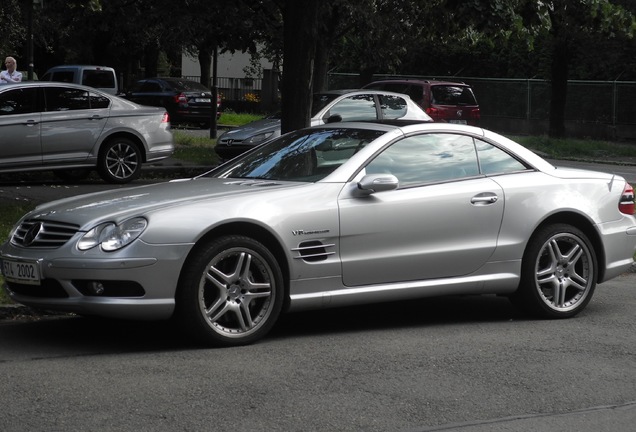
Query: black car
x=186, y=101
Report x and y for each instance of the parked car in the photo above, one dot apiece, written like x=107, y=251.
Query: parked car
x=330, y=106
x=329, y=216
x=73, y=129
x=451, y=102
x=100, y=77
x=186, y=101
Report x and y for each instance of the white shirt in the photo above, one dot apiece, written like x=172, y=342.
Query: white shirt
x=13, y=77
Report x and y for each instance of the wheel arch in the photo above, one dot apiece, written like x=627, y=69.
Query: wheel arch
x=257, y=233
x=122, y=134
x=587, y=227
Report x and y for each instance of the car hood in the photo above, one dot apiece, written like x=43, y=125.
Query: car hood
x=117, y=205
x=253, y=128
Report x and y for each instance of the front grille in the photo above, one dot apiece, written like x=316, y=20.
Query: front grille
x=314, y=250
x=43, y=234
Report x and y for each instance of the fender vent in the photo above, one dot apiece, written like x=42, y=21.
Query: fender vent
x=314, y=250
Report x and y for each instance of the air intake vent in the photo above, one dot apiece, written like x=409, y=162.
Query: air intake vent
x=314, y=250
x=43, y=234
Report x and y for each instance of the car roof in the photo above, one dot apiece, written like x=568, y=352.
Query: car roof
x=171, y=79
x=419, y=81
x=26, y=84
x=76, y=66
x=360, y=91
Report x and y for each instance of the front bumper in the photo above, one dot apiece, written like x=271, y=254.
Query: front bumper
x=135, y=283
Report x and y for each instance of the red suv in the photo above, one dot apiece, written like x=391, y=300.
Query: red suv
x=449, y=102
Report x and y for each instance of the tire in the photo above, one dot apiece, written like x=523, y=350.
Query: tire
x=558, y=273
x=230, y=293
x=72, y=175
x=119, y=161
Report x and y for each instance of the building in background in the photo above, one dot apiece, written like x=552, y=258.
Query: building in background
x=242, y=85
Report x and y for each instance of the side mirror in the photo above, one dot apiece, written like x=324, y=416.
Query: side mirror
x=372, y=183
x=334, y=119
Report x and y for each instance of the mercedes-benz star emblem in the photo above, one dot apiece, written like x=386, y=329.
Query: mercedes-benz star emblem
x=33, y=233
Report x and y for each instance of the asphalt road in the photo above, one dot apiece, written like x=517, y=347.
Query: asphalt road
x=467, y=364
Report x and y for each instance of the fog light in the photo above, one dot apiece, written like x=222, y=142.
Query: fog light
x=96, y=287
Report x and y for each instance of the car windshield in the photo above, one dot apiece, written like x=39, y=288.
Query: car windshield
x=308, y=155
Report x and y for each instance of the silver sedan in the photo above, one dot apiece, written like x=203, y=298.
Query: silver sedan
x=73, y=129
x=330, y=216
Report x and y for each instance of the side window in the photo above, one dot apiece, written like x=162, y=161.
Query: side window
x=392, y=107
x=359, y=107
x=98, y=78
x=493, y=160
x=98, y=101
x=63, y=76
x=18, y=101
x=428, y=158
x=66, y=99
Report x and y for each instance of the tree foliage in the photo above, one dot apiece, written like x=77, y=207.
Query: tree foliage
x=556, y=39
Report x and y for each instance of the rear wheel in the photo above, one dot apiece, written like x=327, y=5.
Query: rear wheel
x=230, y=293
x=119, y=161
x=558, y=274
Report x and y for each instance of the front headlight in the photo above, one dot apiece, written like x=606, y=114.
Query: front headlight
x=259, y=138
x=112, y=237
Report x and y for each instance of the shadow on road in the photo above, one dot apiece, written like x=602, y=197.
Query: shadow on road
x=62, y=333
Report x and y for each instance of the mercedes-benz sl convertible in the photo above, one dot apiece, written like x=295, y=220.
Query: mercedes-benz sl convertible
x=330, y=216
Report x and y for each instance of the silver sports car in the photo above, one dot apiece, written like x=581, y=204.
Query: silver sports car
x=73, y=129
x=329, y=216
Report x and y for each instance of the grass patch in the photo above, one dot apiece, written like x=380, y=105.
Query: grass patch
x=576, y=148
x=195, y=149
x=234, y=119
x=200, y=149
x=9, y=214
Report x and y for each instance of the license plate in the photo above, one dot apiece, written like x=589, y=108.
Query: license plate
x=458, y=121
x=21, y=272
x=203, y=100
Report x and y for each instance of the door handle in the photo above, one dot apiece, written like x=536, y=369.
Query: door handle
x=484, y=198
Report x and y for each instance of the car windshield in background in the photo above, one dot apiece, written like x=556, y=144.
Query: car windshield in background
x=307, y=155
x=321, y=100
x=453, y=95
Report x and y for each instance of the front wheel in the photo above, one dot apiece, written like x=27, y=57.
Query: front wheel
x=558, y=273
x=230, y=293
x=119, y=161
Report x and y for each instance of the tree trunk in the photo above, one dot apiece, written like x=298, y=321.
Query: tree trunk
x=151, y=58
x=320, y=69
x=205, y=63
x=299, y=33
x=559, y=89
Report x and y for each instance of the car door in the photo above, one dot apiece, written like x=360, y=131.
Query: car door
x=73, y=121
x=442, y=221
x=20, y=128
x=150, y=92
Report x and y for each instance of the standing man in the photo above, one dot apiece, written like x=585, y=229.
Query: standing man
x=10, y=75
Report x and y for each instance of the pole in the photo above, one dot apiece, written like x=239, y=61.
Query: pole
x=30, y=6
x=215, y=93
